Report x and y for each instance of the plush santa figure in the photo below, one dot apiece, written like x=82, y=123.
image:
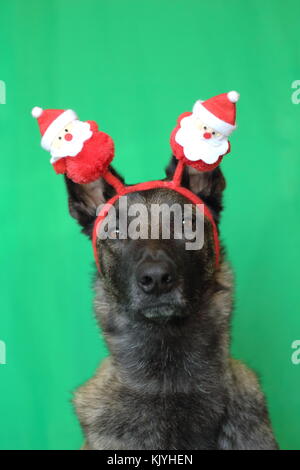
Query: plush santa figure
x=78, y=149
x=200, y=138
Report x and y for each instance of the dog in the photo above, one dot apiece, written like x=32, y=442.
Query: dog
x=169, y=382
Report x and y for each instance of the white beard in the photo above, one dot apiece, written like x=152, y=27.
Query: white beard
x=195, y=146
x=81, y=131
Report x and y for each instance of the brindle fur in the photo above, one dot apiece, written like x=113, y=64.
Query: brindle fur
x=169, y=382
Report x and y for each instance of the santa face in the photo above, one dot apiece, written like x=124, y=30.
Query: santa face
x=69, y=142
x=199, y=141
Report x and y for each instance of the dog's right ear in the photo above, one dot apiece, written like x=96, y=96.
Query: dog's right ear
x=208, y=185
x=85, y=199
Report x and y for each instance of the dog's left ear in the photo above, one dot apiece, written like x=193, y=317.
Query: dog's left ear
x=85, y=200
x=208, y=185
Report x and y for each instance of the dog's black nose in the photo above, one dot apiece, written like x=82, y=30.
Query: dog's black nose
x=155, y=277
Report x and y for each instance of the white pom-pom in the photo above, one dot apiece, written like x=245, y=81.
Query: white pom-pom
x=233, y=96
x=36, y=112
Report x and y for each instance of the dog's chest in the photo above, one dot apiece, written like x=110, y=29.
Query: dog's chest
x=144, y=421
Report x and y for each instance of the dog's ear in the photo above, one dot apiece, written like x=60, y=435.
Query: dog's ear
x=85, y=199
x=208, y=185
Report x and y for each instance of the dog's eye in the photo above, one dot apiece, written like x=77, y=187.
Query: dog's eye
x=187, y=223
x=66, y=130
x=114, y=233
x=213, y=133
x=204, y=127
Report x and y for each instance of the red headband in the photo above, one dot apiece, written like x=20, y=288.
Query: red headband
x=82, y=152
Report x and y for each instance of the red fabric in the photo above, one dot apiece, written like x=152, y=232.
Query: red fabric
x=178, y=151
x=60, y=166
x=93, y=160
x=47, y=117
x=151, y=185
x=221, y=107
x=115, y=182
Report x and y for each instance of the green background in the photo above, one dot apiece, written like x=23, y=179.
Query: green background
x=134, y=66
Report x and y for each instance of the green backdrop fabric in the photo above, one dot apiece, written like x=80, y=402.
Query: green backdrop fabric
x=134, y=66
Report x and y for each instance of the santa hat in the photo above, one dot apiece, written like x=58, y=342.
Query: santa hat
x=218, y=112
x=51, y=122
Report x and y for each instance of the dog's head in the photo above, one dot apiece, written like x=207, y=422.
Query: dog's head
x=154, y=277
